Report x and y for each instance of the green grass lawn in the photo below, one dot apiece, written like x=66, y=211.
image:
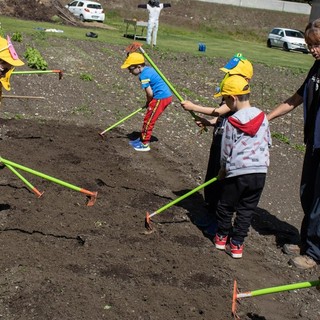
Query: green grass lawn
x=173, y=39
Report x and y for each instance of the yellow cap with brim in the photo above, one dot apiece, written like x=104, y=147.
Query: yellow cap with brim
x=240, y=66
x=233, y=86
x=8, y=53
x=134, y=58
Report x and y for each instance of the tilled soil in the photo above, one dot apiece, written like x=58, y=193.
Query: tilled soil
x=64, y=260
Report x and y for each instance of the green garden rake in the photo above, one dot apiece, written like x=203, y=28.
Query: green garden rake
x=294, y=286
x=147, y=221
x=91, y=196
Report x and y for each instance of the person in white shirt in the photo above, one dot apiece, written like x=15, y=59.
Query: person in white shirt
x=154, y=8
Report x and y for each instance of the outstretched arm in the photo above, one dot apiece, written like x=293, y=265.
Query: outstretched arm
x=216, y=112
x=142, y=6
x=166, y=5
x=285, y=107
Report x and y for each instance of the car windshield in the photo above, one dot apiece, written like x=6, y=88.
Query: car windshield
x=294, y=34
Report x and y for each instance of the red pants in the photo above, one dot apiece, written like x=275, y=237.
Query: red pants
x=154, y=110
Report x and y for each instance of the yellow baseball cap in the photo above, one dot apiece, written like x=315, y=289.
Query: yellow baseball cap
x=238, y=64
x=134, y=58
x=8, y=53
x=233, y=86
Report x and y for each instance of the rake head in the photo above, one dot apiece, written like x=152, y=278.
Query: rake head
x=147, y=222
x=91, y=199
x=133, y=47
x=235, y=300
x=60, y=74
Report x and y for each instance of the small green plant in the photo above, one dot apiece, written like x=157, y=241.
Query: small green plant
x=83, y=109
x=35, y=60
x=16, y=36
x=86, y=77
x=300, y=147
x=281, y=137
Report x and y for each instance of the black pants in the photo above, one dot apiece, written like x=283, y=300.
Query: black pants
x=240, y=194
x=310, y=201
x=212, y=191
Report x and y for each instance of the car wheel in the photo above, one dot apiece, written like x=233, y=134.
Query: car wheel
x=82, y=18
x=269, y=45
x=285, y=47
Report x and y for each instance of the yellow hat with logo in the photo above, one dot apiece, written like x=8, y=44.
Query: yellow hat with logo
x=8, y=53
x=238, y=64
x=233, y=86
x=134, y=58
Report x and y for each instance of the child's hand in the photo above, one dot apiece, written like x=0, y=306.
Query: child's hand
x=222, y=173
x=202, y=122
x=187, y=105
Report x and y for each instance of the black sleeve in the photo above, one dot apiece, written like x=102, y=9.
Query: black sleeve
x=166, y=5
x=143, y=6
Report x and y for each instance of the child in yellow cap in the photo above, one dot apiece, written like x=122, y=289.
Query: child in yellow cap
x=158, y=97
x=8, y=60
x=244, y=163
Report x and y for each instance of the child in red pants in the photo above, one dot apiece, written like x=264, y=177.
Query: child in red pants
x=158, y=97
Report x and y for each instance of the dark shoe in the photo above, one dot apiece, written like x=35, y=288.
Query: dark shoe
x=303, y=262
x=292, y=249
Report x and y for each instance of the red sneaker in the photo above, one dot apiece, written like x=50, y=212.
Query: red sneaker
x=220, y=242
x=236, y=250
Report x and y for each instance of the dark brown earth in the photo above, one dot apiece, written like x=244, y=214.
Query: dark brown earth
x=64, y=260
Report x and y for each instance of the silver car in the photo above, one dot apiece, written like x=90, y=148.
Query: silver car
x=287, y=39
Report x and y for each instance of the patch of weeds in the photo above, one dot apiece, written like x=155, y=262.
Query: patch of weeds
x=83, y=109
x=281, y=137
x=17, y=37
x=300, y=147
x=86, y=77
x=18, y=116
x=35, y=60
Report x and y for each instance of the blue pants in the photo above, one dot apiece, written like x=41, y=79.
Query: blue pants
x=310, y=201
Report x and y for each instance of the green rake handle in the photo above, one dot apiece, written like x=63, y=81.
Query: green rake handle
x=36, y=71
x=30, y=186
x=170, y=204
x=288, y=287
x=260, y=292
x=195, y=117
x=120, y=121
x=92, y=195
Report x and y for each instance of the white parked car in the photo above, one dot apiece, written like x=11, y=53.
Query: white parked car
x=87, y=10
x=287, y=39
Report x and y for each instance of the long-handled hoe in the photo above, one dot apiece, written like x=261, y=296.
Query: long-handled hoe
x=120, y=121
x=294, y=286
x=31, y=187
x=138, y=46
x=91, y=196
x=60, y=73
x=147, y=222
